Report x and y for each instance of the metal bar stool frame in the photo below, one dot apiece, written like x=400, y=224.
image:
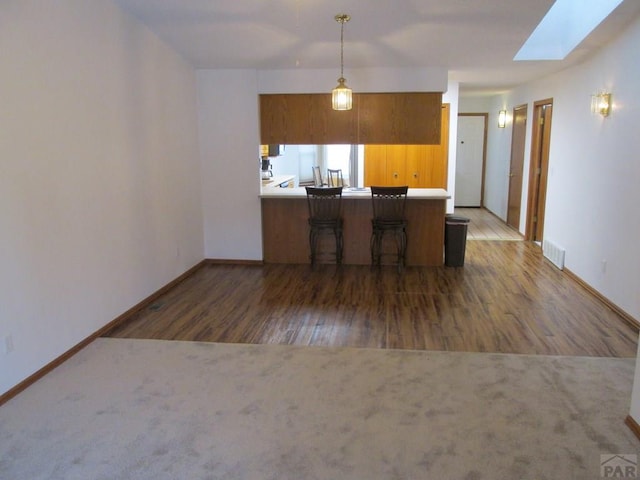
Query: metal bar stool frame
x=325, y=215
x=389, y=217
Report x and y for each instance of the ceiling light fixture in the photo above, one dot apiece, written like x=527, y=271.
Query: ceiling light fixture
x=341, y=96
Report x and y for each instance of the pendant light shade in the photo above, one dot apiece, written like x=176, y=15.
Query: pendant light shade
x=341, y=96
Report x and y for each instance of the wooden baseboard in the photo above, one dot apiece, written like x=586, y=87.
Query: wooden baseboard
x=5, y=397
x=633, y=425
x=222, y=261
x=632, y=322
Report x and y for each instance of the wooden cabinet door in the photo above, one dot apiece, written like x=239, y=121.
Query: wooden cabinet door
x=300, y=119
x=375, y=165
x=376, y=118
x=416, y=170
x=396, y=171
x=438, y=155
x=399, y=118
x=425, y=166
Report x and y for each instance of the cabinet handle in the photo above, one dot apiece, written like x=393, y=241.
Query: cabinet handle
x=415, y=174
x=395, y=174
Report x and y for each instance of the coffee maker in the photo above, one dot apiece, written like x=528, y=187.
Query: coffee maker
x=265, y=168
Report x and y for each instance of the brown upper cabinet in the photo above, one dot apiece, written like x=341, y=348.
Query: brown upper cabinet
x=376, y=118
x=415, y=165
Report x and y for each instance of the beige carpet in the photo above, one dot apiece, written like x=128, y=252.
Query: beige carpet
x=147, y=409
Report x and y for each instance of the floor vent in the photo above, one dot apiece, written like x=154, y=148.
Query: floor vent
x=554, y=253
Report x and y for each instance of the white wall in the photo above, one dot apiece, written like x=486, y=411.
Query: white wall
x=99, y=175
x=360, y=80
x=230, y=154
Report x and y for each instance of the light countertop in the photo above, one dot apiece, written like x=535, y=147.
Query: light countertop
x=276, y=181
x=356, y=193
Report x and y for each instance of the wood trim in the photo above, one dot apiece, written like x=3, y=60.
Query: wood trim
x=628, y=319
x=633, y=425
x=517, y=159
x=224, y=261
x=533, y=187
x=8, y=395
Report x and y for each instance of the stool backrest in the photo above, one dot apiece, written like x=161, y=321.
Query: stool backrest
x=389, y=203
x=324, y=203
x=335, y=177
x=317, y=177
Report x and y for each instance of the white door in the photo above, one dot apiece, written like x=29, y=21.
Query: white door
x=469, y=158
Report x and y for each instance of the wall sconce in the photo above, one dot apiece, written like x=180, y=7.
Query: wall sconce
x=601, y=103
x=502, y=118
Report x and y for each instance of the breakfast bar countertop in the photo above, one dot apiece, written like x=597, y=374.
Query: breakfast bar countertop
x=285, y=226
x=356, y=193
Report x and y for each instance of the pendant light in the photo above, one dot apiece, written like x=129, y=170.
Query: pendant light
x=341, y=95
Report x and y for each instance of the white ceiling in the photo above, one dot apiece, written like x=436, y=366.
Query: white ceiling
x=475, y=40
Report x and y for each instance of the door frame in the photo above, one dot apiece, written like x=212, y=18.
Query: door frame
x=536, y=196
x=484, y=150
x=518, y=108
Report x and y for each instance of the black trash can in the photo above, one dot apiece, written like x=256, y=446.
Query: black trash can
x=455, y=240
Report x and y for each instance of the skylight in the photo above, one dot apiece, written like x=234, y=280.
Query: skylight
x=564, y=26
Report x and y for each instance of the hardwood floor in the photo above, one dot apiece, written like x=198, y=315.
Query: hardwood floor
x=486, y=226
x=507, y=298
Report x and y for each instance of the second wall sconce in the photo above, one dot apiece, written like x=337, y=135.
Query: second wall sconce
x=601, y=103
x=502, y=118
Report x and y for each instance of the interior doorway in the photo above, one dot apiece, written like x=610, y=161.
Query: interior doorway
x=539, y=168
x=470, y=159
x=518, y=136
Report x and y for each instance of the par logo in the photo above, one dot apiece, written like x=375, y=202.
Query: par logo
x=619, y=466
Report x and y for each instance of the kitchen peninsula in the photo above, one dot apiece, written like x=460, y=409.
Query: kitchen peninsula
x=285, y=231
x=278, y=181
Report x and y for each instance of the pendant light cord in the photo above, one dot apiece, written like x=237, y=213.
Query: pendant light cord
x=342, y=49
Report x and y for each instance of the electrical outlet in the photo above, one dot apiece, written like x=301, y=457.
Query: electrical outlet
x=8, y=344
x=603, y=266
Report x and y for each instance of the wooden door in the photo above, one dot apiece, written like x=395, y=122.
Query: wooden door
x=470, y=160
x=519, y=131
x=538, y=170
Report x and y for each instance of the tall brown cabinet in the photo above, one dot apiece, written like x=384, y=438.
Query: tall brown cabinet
x=418, y=166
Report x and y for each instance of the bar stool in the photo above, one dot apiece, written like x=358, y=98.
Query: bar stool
x=325, y=216
x=389, y=217
x=317, y=177
x=335, y=177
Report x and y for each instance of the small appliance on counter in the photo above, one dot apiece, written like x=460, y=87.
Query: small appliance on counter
x=265, y=168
